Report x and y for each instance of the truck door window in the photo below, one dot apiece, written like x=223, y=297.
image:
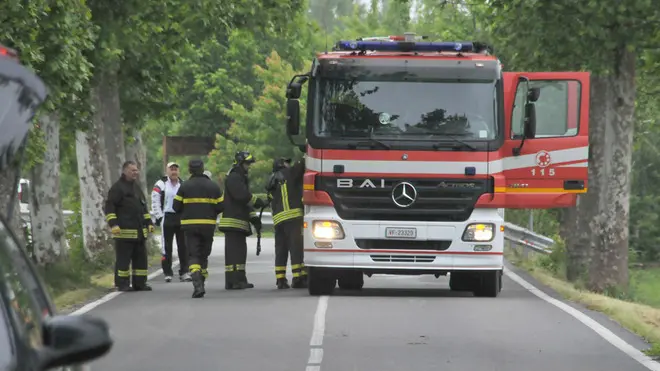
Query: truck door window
x=557, y=109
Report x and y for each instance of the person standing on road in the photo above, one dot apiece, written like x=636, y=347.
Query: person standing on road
x=198, y=201
x=130, y=222
x=285, y=192
x=235, y=222
x=162, y=198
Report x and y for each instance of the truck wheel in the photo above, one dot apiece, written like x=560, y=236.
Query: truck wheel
x=489, y=285
x=461, y=281
x=320, y=282
x=353, y=280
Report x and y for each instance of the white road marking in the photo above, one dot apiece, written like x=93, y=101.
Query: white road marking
x=601, y=330
x=319, y=322
x=113, y=295
x=316, y=351
x=315, y=356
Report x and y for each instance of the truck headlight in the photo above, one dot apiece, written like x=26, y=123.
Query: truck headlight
x=479, y=232
x=327, y=230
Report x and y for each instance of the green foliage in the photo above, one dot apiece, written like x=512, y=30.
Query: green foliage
x=261, y=129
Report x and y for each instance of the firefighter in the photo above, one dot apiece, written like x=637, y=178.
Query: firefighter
x=162, y=198
x=130, y=223
x=285, y=191
x=238, y=213
x=199, y=201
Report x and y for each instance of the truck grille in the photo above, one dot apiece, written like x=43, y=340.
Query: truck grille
x=382, y=258
x=371, y=244
x=438, y=200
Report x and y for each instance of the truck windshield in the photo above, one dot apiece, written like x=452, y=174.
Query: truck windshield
x=406, y=109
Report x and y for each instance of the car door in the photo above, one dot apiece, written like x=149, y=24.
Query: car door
x=27, y=303
x=551, y=168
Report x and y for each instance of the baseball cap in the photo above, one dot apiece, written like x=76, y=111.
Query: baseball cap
x=207, y=173
x=170, y=164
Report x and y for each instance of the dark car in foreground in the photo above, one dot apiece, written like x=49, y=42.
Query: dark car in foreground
x=32, y=336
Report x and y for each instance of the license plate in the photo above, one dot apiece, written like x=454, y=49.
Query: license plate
x=401, y=233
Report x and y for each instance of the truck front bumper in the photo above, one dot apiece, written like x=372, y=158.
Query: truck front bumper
x=436, y=246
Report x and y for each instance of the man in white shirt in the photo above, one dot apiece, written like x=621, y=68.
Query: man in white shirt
x=162, y=197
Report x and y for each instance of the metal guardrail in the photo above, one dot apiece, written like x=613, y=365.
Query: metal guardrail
x=524, y=237
x=25, y=214
x=514, y=233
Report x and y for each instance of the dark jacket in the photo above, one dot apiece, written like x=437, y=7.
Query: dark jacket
x=199, y=201
x=285, y=190
x=240, y=203
x=126, y=207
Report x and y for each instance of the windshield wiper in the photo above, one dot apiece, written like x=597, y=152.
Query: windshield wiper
x=368, y=142
x=458, y=144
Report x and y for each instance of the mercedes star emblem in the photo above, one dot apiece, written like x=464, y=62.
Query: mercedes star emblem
x=404, y=194
x=404, y=157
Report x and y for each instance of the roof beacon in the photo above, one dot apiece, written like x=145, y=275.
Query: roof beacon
x=403, y=46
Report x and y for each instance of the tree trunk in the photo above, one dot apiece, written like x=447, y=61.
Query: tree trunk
x=92, y=169
x=577, y=252
x=607, y=202
x=136, y=151
x=48, y=231
x=105, y=97
x=8, y=187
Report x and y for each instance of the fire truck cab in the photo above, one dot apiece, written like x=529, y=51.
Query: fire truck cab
x=412, y=147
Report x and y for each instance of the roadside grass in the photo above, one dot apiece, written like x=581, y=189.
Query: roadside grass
x=637, y=311
x=77, y=281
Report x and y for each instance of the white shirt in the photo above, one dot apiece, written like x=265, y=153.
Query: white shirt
x=170, y=190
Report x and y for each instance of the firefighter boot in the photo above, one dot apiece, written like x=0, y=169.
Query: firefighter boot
x=240, y=281
x=198, y=285
x=298, y=283
x=282, y=283
x=229, y=280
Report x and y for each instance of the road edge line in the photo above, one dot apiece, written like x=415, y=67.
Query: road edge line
x=107, y=297
x=591, y=323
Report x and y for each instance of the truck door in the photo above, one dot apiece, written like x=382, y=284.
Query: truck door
x=550, y=169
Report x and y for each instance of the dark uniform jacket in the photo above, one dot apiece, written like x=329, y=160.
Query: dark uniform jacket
x=239, y=203
x=199, y=201
x=285, y=190
x=126, y=207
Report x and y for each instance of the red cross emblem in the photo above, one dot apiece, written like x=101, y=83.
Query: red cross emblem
x=543, y=159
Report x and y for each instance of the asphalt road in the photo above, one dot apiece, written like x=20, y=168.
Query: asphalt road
x=395, y=323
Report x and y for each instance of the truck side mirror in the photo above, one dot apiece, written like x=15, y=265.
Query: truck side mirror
x=533, y=94
x=529, y=130
x=293, y=117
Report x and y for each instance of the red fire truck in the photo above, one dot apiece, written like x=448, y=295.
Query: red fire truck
x=413, y=150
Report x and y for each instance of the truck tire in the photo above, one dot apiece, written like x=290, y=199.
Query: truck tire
x=489, y=284
x=353, y=280
x=461, y=281
x=320, y=282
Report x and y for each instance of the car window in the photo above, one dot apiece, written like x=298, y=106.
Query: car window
x=27, y=303
x=7, y=348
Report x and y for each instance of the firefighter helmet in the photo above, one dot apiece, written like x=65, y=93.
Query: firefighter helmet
x=243, y=157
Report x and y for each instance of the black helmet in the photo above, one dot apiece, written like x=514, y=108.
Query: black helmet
x=243, y=157
x=196, y=166
x=278, y=163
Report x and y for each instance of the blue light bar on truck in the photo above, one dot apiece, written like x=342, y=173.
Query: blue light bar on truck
x=399, y=46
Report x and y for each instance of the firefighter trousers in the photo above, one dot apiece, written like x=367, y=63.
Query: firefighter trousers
x=289, y=240
x=199, y=241
x=127, y=253
x=171, y=227
x=235, y=258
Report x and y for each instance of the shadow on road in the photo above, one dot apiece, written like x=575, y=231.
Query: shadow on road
x=403, y=292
